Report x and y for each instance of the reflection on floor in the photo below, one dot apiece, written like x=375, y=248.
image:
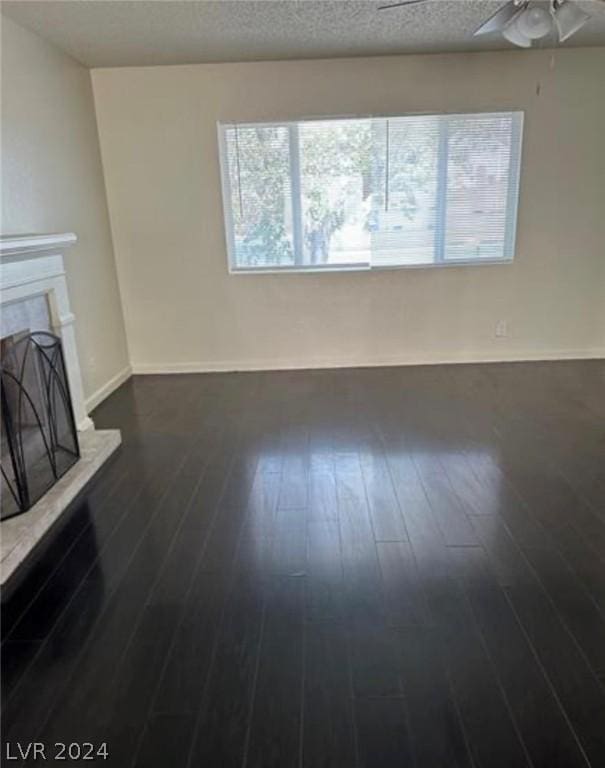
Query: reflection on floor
x=380, y=567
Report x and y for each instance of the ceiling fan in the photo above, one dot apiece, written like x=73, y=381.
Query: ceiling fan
x=523, y=21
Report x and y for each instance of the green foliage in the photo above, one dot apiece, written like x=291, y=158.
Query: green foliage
x=261, y=175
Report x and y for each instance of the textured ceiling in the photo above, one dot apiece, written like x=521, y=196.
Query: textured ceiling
x=103, y=33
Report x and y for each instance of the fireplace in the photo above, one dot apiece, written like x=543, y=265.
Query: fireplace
x=39, y=437
x=50, y=431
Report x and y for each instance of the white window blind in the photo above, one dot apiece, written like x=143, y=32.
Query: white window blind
x=371, y=192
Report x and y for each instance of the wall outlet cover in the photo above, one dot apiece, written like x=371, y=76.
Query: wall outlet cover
x=501, y=329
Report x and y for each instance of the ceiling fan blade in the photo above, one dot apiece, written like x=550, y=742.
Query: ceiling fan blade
x=499, y=20
x=400, y=5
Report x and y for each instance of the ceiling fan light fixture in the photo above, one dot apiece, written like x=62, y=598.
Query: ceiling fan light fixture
x=514, y=35
x=569, y=18
x=534, y=22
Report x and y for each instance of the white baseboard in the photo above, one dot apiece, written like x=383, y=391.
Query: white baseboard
x=277, y=364
x=107, y=388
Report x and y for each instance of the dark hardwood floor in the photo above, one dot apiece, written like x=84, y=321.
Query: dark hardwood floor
x=337, y=569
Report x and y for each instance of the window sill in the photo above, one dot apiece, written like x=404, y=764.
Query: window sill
x=298, y=270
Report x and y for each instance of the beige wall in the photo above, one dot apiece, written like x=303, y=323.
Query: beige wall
x=182, y=309
x=52, y=181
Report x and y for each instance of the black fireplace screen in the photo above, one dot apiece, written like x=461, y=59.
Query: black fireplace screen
x=39, y=438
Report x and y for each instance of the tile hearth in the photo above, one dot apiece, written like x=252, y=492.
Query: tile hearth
x=20, y=535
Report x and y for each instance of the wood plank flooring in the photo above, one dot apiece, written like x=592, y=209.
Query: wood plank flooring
x=361, y=568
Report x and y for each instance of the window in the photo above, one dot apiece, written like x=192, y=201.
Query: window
x=368, y=193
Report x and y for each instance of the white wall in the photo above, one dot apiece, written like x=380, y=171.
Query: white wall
x=184, y=312
x=52, y=181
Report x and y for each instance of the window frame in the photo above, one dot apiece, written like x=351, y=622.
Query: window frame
x=513, y=196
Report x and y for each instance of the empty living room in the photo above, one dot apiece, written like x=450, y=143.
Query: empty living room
x=302, y=365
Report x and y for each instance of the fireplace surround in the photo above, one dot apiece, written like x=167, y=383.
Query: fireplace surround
x=34, y=300
x=32, y=268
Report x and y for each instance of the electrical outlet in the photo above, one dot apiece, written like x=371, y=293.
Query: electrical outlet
x=501, y=329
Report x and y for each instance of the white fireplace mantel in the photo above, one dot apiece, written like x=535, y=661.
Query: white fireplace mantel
x=27, y=245
x=32, y=265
